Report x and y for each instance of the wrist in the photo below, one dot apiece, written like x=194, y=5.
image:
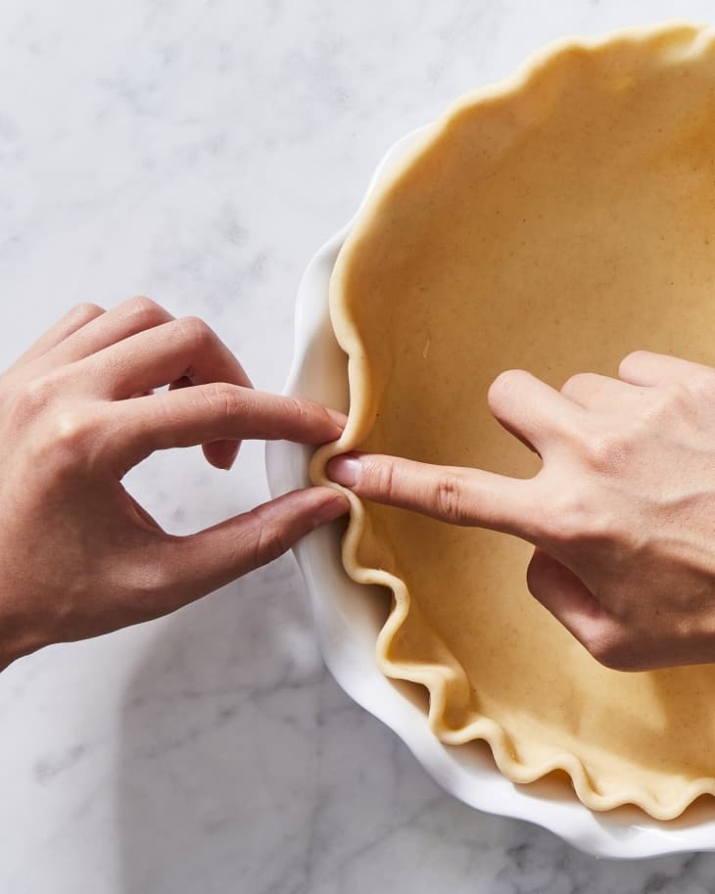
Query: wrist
x=16, y=641
x=8, y=652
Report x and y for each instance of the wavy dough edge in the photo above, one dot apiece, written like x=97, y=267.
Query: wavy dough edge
x=673, y=41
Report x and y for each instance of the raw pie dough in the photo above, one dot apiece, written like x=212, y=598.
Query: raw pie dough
x=553, y=223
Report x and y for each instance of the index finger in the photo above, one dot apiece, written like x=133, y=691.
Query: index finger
x=449, y=493
x=186, y=347
x=215, y=412
x=168, y=350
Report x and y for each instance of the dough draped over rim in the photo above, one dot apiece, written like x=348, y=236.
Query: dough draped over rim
x=555, y=223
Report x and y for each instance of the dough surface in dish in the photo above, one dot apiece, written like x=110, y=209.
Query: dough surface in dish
x=553, y=223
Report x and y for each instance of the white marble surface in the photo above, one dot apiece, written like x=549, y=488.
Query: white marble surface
x=198, y=151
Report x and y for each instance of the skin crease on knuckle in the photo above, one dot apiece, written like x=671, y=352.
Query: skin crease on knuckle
x=310, y=420
x=264, y=538
x=449, y=500
x=271, y=543
x=227, y=400
x=378, y=478
x=193, y=333
x=300, y=410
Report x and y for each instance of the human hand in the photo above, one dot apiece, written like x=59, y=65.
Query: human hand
x=79, y=556
x=622, y=511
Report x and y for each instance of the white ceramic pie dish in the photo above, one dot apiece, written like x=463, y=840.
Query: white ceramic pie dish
x=349, y=616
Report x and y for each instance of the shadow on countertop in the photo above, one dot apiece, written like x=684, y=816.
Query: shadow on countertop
x=243, y=768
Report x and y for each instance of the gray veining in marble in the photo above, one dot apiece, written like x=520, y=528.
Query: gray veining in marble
x=199, y=151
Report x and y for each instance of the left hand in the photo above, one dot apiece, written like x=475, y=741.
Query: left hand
x=622, y=512
x=78, y=555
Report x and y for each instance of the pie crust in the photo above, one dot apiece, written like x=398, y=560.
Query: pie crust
x=555, y=223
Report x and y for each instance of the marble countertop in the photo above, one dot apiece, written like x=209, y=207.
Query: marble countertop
x=199, y=151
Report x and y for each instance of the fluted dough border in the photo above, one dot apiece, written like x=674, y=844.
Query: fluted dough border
x=675, y=42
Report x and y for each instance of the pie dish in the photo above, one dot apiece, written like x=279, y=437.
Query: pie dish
x=545, y=223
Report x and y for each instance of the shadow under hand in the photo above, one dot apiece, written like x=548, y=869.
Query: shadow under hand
x=216, y=742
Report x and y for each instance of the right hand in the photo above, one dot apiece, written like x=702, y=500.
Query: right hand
x=622, y=512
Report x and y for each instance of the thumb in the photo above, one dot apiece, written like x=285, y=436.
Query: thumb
x=563, y=593
x=218, y=555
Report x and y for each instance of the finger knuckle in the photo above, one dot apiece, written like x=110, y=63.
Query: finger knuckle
x=666, y=403
x=378, y=478
x=571, y=519
x=270, y=543
x=71, y=429
x=194, y=332
x=566, y=529
x=34, y=398
x=449, y=499
x=702, y=384
x=301, y=411
x=223, y=399
x=67, y=440
x=607, y=450
x=153, y=585
x=146, y=312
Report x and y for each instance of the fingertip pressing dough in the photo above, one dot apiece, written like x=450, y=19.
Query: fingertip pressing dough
x=554, y=223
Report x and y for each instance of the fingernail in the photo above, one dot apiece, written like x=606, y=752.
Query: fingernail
x=231, y=457
x=345, y=469
x=225, y=453
x=337, y=417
